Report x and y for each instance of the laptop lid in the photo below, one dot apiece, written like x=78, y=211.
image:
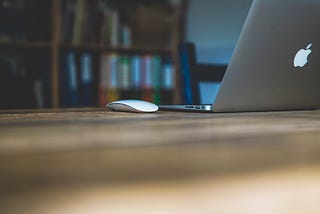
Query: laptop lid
x=276, y=64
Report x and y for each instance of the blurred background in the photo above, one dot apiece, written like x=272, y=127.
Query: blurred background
x=85, y=53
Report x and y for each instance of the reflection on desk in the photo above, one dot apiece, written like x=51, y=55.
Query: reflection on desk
x=167, y=162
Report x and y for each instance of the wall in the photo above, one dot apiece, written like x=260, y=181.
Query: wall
x=214, y=26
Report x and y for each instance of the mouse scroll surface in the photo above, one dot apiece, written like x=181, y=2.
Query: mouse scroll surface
x=137, y=106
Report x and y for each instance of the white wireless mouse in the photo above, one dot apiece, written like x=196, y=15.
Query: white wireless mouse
x=138, y=106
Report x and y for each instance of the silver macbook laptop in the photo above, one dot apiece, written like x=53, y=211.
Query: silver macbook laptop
x=276, y=63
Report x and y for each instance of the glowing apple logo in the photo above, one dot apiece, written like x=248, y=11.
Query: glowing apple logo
x=301, y=58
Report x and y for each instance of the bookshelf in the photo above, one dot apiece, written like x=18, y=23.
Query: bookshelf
x=134, y=31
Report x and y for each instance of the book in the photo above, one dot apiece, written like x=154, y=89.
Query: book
x=126, y=36
x=93, y=21
x=69, y=80
x=103, y=79
x=41, y=81
x=136, y=76
x=105, y=24
x=114, y=28
x=113, y=78
x=79, y=21
x=38, y=91
x=77, y=78
x=156, y=66
x=67, y=20
x=147, y=78
x=124, y=78
x=167, y=81
x=86, y=97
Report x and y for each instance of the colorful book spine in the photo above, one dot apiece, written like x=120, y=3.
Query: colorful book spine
x=147, y=79
x=124, y=77
x=156, y=67
x=126, y=36
x=38, y=92
x=67, y=20
x=42, y=83
x=136, y=76
x=114, y=28
x=113, y=82
x=70, y=89
x=168, y=81
x=77, y=80
x=105, y=26
x=103, y=79
x=79, y=22
x=94, y=21
x=86, y=80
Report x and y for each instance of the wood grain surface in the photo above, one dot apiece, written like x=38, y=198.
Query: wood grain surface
x=75, y=160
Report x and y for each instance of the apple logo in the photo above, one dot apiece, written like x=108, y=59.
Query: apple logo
x=301, y=58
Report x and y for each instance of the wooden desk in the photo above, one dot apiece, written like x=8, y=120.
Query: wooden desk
x=168, y=162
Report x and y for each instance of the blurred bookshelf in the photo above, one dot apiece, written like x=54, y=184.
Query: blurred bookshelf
x=85, y=53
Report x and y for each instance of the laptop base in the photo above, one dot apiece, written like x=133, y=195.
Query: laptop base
x=193, y=108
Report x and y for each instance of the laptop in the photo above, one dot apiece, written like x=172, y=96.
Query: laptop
x=276, y=63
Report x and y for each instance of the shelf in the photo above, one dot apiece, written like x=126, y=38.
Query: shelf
x=134, y=49
x=25, y=44
x=157, y=36
x=92, y=47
